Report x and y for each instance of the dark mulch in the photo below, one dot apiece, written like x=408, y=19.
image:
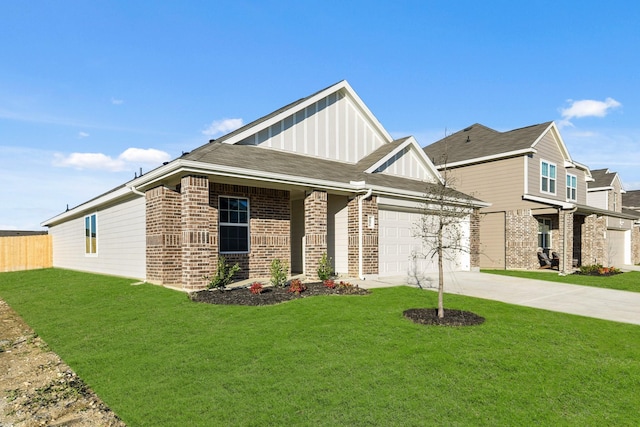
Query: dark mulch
x=429, y=316
x=270, y=295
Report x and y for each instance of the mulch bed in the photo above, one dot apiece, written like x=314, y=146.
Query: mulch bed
x=270, y=295
x=429, y=316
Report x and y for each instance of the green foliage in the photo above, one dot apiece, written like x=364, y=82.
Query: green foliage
x=629, y=281
x=278, y=270
x=598, y=270
x=324, y=268
x=224, y=274
x=153, y=350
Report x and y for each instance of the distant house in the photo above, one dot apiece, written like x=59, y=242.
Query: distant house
x=540, y=198
x=320, y=175
x=14, y=233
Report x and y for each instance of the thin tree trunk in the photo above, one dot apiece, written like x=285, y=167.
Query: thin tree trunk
x=440, y=276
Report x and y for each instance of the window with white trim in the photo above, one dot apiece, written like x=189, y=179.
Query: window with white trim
x=234, y=224
x=547, y=177
x=572, y=187
x=90, y=234
x=544, y=233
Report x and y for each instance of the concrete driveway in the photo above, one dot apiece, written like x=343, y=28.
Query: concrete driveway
x=619, y=306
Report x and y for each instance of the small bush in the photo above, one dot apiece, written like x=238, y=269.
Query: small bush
x=278, y=270
x=598, y=270
x=223, y=276
x=324, y=268
x=329, y=283
x=296, y=286
x=256, y=288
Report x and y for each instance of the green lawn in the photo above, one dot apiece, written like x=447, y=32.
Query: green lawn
x=158, y=359
x=629, y=281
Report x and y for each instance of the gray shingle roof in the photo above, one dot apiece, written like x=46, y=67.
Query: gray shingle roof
x=631, y=199
x=478, y=141
x=601, y=178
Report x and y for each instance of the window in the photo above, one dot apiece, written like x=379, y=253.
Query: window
x=615, y=201
x=548, y=177
x=544, y=233
x=572, y=187
x=90, y=235
x=234, y=224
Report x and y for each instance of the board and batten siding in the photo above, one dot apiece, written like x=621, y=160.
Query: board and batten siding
x=407, y=164
x=121, y=241
x=332, y=128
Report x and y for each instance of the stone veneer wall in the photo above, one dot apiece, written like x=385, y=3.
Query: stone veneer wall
x=315, y=227
x=565, y=240
x=164, y=240
x=474, y=239
x=521, y=239
x=370, y=246
x=635, y=245
x=593, y=240
x=269, y=228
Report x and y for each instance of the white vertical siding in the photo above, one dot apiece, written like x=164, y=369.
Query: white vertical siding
x=121, y=241
x=407, y=164
x=333, y=128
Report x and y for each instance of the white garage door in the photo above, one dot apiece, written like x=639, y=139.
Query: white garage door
x=398, y=247
x=619, y=247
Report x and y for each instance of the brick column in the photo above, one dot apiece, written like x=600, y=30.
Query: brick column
x=315, y=230
x=196, y=247
x=370, y=239
x=635, y=244
x=593, y=240
x=565, y=247
x=474, y=240
x=521, y=239
x=163, y=251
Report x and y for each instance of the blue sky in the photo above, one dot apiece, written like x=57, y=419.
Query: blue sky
x=90, y=92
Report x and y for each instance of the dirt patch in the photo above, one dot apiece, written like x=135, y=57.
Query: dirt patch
x=271, y=295
x=429, y=316
x=37, y=387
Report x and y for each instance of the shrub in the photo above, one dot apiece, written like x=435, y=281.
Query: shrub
x=278, y=270
x=256, y=288
x=296, y=286
x=324, y=268
x=329, y=283
x=598, y=270
x=223, y=276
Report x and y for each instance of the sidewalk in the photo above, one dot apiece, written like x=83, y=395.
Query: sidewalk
x=607, y=304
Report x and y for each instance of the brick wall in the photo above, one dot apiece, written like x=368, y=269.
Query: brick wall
x=521, y=239
x=635, y=245
x=369, y=236
x=269, y=228
x=315, y=226
x=164, y=239
x=565, y=240
x=593, y=240
x=474, y=239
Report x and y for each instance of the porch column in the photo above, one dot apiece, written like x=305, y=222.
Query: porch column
x=521, y=239
x=593, y=240
x=474, y=240
x=315, y=231
x=196, y=219
x=359, y=222
x=163, y=250
x=565, y=231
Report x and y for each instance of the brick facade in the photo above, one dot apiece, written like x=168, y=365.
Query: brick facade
x=474, y=239
x=565, y=240
x=369, y=236
x=635, y=245
x=593, y=240
x=521, y=239
x=182, y=231
x=315, y=226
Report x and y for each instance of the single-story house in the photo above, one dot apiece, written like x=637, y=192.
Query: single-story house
x=320, y=175
x=540, y=198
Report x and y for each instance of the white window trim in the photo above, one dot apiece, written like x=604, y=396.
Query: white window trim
x=84, y=226
x=555, y=179
x=569, y=199
x=220, y=224
x=550, y=222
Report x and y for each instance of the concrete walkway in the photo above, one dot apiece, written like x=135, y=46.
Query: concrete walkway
x=608, y=304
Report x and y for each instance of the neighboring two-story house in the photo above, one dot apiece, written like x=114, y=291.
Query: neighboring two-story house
x=631, y=205
x=538, y=195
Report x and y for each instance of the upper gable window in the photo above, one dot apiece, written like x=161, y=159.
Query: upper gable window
x=572, y=187
x=234, y=224
x=547, y=177
x=90, y=235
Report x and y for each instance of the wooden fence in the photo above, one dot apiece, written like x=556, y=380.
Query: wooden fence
x=25, y=252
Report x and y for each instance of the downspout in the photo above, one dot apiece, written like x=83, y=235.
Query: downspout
x=135, y=191
x=360, y=236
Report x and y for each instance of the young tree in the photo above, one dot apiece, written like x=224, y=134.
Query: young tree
x=443, y=227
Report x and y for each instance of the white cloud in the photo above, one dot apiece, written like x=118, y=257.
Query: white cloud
x=222, y=126
x=115, y=101
x=82, y=135
x=587, y=108
x=130, y=159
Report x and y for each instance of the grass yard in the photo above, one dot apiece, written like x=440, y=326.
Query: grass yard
x=629, y=281
x=158, y=359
